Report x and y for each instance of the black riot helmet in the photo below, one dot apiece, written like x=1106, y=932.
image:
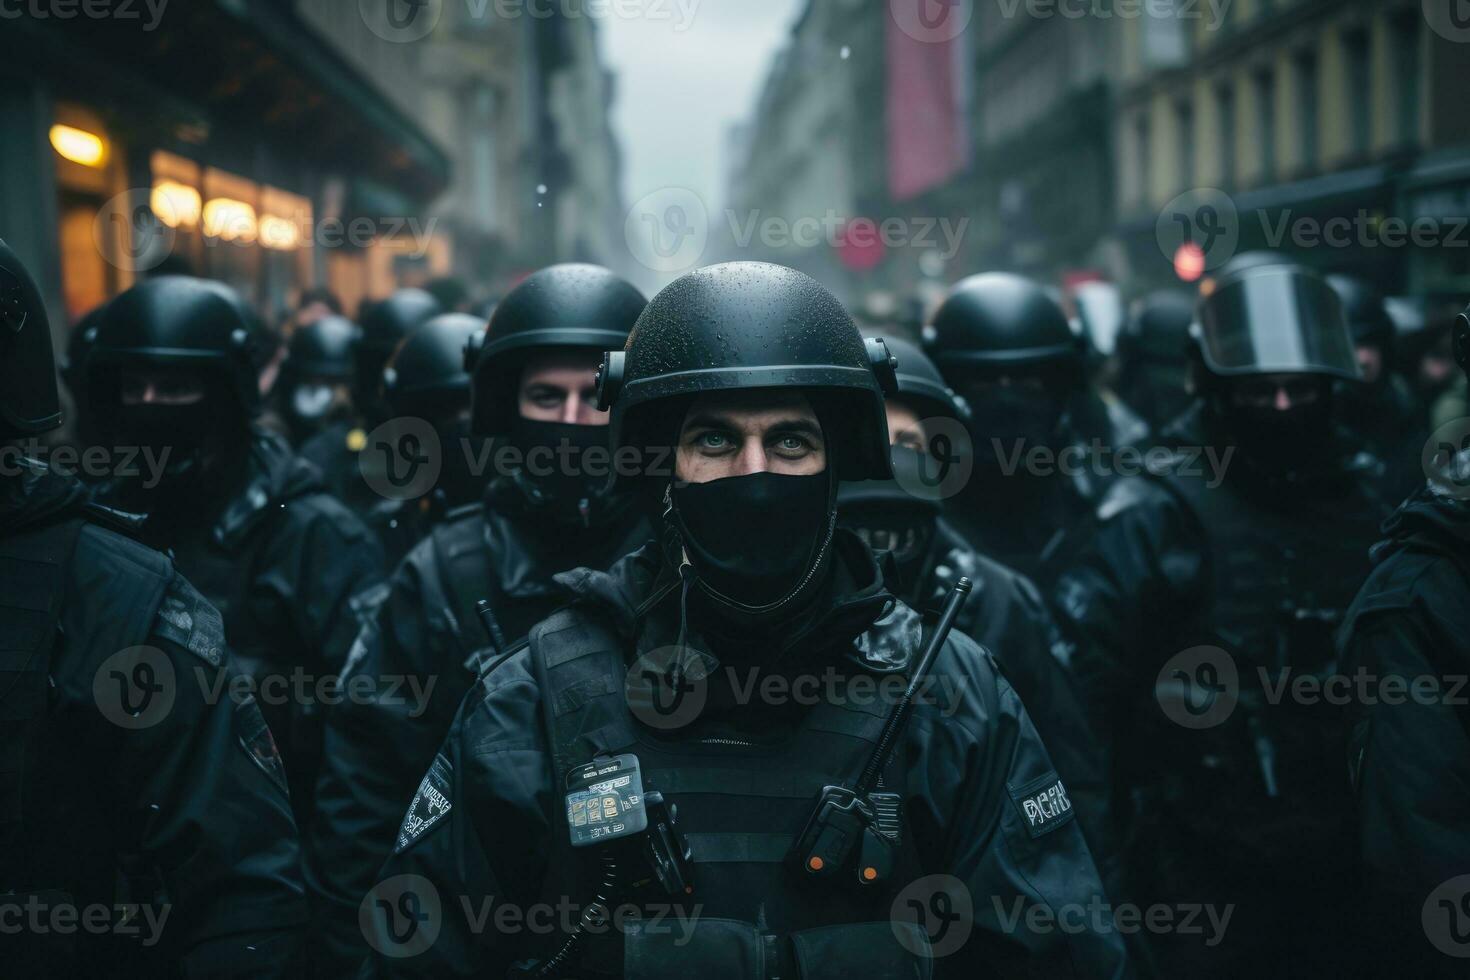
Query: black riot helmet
x=756, y=543
x=573, y=305
x=1157, y=331
x=179, y=322
x=997, y=323
x=29, y=401
x=384, y=325
x=919, y=382
x=745, y=325
x=324, y=348
x=1366, y=313
x=426, y=375
x=1273, y=318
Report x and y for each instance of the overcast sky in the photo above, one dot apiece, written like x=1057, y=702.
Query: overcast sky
x=679, y=91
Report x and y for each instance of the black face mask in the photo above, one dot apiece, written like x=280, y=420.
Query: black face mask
x=187, y=440
x=755, y=541
x=1280, y=441
x=1011, y=415
x=462, y=477
x=556, y=473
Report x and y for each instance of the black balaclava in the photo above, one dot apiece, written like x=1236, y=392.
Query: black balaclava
x=757, y=545
x=1270, y=440
x=897, y=522
x=202, y=443
x=557, y=476
x=1008, y=421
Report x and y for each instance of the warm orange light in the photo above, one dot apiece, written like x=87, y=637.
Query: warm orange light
x=230, y=220
x=815, y=863
x=1189, y=262
x=869, y=874
x=176, y=205
x=279, y=233
x=78, y=145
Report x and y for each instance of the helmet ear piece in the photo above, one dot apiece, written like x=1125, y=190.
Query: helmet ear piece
x=885, y=365
x=610, y=378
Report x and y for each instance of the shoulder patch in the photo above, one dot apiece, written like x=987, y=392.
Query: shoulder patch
x=431, y=804
x=1042, y=804
x=258, y=742
x=187, y=618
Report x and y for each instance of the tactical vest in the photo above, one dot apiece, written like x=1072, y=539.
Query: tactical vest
x=35, y=575
x=740, y=804
x=1282, y=572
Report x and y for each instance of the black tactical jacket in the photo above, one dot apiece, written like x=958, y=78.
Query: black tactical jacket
x=987, y=829
x=418, y=655
x=152, y=802
x=282, y=561
x=1195, y=597
x=1408, y=635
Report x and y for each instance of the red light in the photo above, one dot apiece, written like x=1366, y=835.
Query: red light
x=1189, y=262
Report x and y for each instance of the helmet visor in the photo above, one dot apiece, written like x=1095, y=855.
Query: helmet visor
x=1276, y=321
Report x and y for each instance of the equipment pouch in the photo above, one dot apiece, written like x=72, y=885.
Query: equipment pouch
x=863, y=949
x=711, y=949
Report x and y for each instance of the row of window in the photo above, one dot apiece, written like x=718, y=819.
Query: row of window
x=1403, y=110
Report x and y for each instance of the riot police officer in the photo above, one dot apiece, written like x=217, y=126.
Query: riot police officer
x=545, y=510
x=145, y=828
x=1007, y=348
x=769, y=395
x=426, y=379
x=1153, y=351
x=316, y=390
x=171, y=372
x=902, y=518
x=1208, y=590
x=1408, y=634
x=353, y=475
x=1381, y=408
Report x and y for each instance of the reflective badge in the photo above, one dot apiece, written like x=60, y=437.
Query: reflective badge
x=430, y=804
x=258, y=743
x=1043, y=804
